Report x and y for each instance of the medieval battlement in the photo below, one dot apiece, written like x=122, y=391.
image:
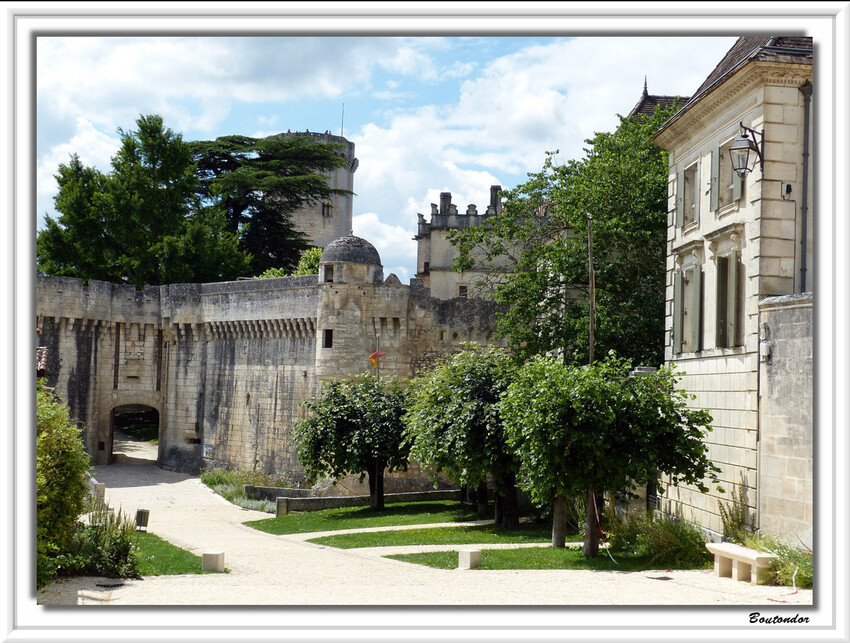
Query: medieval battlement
x=447, y=216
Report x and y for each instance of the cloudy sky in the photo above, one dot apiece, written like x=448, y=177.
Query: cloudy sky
x=427, y=114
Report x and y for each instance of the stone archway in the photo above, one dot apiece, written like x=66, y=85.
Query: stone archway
x=134, y=434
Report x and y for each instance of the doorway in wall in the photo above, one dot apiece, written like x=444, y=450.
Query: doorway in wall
x=134, y=434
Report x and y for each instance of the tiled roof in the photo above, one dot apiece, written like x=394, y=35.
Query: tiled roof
x=647, y=103
x=797, y=48
x=793, y=49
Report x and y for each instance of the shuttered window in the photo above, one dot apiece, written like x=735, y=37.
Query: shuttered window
x=687, y=310
x=728, y=301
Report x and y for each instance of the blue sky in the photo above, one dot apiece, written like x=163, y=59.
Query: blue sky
x=427, y=114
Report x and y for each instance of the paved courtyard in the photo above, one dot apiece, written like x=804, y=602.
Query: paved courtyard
x=285, y=570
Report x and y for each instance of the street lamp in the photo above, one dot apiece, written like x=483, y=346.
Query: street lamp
x=741, y=148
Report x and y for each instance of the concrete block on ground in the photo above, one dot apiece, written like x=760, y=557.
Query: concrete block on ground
x=212, y=561
x=469, y=559
x=282, y=506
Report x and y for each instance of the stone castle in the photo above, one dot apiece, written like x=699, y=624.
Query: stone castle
x=227, y=365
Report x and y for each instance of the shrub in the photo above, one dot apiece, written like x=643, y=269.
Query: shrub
x=666, y=542
x=735, y=518
x=61, y=466
x=792, y=566
x=104, y=547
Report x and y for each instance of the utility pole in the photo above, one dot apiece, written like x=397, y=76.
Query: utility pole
x=592, y=283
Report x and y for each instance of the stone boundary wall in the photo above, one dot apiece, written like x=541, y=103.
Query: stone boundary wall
x=287, y=504
x=786, y=391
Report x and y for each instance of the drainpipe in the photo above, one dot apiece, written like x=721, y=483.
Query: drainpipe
x=806, y=90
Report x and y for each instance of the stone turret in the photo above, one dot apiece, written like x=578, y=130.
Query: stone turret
x=350, y=270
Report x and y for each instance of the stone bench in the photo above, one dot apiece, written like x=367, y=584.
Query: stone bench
x=740, y=563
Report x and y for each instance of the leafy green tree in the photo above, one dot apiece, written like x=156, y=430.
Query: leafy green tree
x=140, y=224
x=456, y=427
x=61, y=466
x=582, y=430
x=259, y=183
x=307, y=265
x=543, y=231
x=356, y=427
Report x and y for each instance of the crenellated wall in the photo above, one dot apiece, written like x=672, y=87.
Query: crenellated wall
x=228, y=365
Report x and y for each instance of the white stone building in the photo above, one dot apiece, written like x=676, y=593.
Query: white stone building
x=740, y=281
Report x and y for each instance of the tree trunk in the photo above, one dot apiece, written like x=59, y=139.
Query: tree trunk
x=559, y=521
x=508, y=503
x=497, y=507
x=481, y=498
x=591, y=527
x=376, y=487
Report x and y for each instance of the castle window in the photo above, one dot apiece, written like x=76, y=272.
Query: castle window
x=687, y=197
x=329, y=274
x=327, y=209
x=463, y=291
x=328, y=340
x=426, y=268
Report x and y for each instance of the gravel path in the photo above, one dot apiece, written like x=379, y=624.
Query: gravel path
x=285, y=570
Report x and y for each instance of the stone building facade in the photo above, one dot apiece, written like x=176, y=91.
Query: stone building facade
x=740, y=278
x=227, y=365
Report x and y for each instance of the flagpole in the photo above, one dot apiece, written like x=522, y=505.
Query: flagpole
x=378, y=356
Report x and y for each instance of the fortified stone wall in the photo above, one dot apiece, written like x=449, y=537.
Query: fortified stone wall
x=227, y=365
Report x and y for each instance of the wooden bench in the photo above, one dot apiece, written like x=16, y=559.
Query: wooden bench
x=740, y=563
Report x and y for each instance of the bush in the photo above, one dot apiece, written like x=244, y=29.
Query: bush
x=61, y=467
x=104, y=547
x=665, y=542
x=792, y=566
x=736, y=517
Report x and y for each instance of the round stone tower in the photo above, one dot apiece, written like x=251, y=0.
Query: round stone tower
x=324, y=222
x=350, y=271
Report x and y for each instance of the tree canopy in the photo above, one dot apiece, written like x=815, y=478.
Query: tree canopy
x=581, y=430
x=456, y=427
x=141, y=223
x=356, y=427
x=258, y=183
x=543, y=230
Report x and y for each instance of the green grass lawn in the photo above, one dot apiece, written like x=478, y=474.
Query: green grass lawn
x=158, y=557
x=530, y=532
x=411, y=513
x=537, y=558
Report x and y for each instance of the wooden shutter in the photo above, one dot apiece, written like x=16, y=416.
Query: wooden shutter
x=737, y=186
x=678, y=293
x=714, y=199
x=680, y=199
x=694, y=309
x=731, y=298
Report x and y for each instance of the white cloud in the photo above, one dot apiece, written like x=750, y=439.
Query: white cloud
x=509, y=110
x=94, y=148
x=394, y=244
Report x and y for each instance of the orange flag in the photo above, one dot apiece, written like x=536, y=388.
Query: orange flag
x=374, y=357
